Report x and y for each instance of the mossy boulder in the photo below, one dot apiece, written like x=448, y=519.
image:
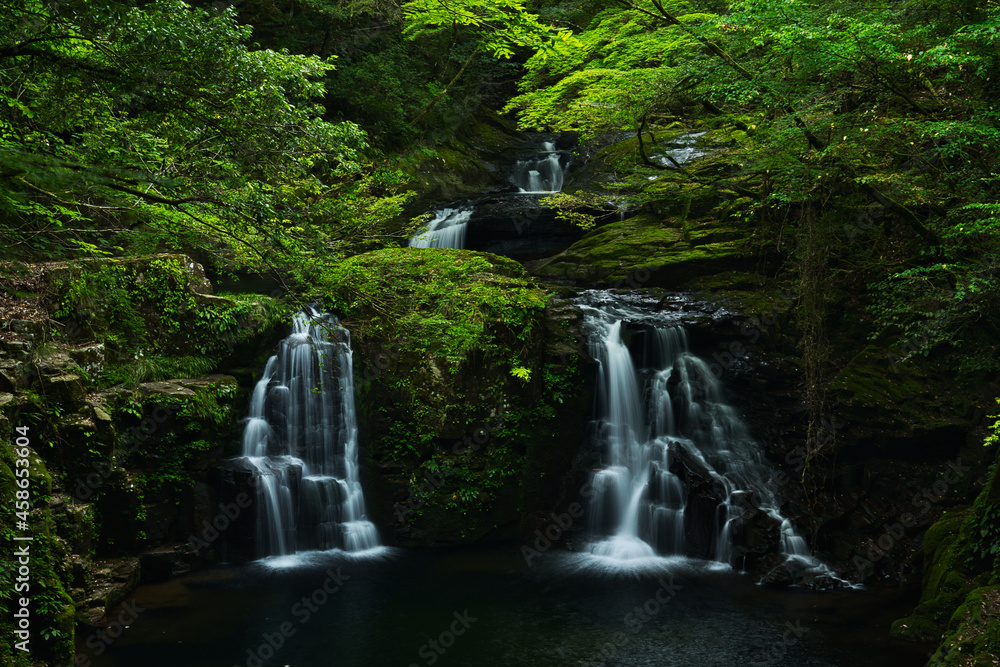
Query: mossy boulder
x=470, y=389
x=973, y=635
x=118, y=297
x=944, y=586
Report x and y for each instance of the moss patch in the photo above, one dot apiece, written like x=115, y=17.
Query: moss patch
x=753, y=295
x=51, y=606
x=646, y=249
x=960, y=603
x=944, y=585
x=453, y=306
x=462, y=166
x=896, y=401
x=973, y=636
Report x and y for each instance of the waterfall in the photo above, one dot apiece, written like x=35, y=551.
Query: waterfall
x=445, y=230
x=301, y=441
x=661, y=429
x=543, y=173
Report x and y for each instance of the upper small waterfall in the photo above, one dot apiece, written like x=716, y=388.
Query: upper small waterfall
x=445, y=230
x=301, y=441
x=680, y=150
x=543, y=173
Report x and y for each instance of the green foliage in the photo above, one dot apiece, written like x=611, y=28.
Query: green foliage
x=501, y=26
x=623, y=66
x=521, y=373
x=978, y=552
x=451, y=305
x=380, y=88
x=173, y=460
x=473, y=480
x=156, y=368
x=404, y=444
x=984, y=529
x=132, y=126
x=881, y=116
x=560, y=382
x=173, y=479
x=952, y=304
x=150, y=320
x=993, y=437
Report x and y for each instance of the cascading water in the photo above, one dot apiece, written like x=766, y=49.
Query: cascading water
x=655, y=422
x=543, y=174
x=301, y=441
x=445, y=230
x=680, y=150
x=510, y=218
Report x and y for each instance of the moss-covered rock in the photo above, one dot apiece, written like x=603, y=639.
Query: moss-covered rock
x=464, y=165
x=468, y=379
x=944, y=585
x=960, y=602
x=51, y=607
x=973, y=635
x=118, y=460
x=150, y=317
x=646, y=250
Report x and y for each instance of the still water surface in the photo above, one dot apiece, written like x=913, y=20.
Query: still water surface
x=482, y=606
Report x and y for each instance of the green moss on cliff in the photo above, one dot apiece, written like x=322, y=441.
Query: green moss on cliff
x=973, y=635
x=462, y=165
x=453, y=305
x=898, y=400
x=454, y=384
x=456, y=328
x=155, y=315
x=944, y=584
x=51, y=608
x=646, y=250
x=960, y=603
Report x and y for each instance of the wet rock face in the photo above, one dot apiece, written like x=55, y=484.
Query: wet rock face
x=113, y=581
x=705, y=493
x=90, y=358
x=232, y=483
x=18, y=341
x=515, y=226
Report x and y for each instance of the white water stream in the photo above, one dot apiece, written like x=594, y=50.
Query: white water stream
x=301, y=439
x=650, y=420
